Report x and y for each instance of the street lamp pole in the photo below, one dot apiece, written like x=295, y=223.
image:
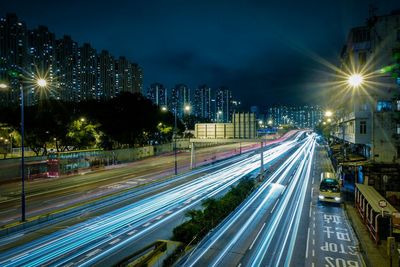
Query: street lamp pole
x=175, y=152
x=23, y=207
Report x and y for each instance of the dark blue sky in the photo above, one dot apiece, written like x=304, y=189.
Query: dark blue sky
x=260, y=49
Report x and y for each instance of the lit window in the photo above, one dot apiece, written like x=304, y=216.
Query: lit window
x=384, y=106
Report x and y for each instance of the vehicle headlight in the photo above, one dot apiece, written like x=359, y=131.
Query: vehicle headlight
x=337, y=198
x=321, y=197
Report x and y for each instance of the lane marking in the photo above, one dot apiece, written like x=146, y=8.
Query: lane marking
x=132, y=232
x=147, y=224
x=313, y=253
x=114, y=241
x=254, y=241
x=93, y=252
x=308, y=239
x=313, y=241
x=309, y=213
x=275, y=205
x=312, y=192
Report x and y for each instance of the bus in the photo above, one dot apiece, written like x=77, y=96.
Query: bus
x=329, y=188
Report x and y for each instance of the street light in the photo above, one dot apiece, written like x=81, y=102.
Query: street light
x=355, y=80
x=328, y=113
x=218, y=115
x=164, y=109
x=41, y=83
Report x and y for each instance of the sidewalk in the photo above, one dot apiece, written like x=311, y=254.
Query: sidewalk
x=374, y=255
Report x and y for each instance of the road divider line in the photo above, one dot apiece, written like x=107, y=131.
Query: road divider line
x=275, y=205
x=308, y=239
x=255, y=239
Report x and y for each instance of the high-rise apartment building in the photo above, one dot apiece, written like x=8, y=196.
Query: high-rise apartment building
x=67, y=69
x=106, y=75
x=157, y=93
x=202, y=102
x=137, y=78
x=41, y=53
x=73, y=72
x=13, y=45
x=88, y=76
x=223, y=102
x=299, y=116
x=180, y=98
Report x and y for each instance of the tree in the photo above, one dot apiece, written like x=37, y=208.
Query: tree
x=82, y=134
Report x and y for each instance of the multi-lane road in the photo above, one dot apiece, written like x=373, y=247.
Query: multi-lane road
x=46, y=195
x=263, y=231
x=283, y=224
x=101, y=238
x=276, y=226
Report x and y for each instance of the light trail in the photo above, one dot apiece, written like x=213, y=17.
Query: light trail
x=63, y=247
x=274, y=190
x=287, y=216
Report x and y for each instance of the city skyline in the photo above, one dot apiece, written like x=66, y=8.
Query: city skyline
x=247, y=47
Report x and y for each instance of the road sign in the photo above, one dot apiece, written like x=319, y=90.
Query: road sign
x=382, y=203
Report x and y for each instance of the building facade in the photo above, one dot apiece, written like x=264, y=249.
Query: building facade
x=298, y=116
x=157, y=93
x=180, y=98
x=74, y=73
x=223, y=105
x=369, y=120
x=202, y=102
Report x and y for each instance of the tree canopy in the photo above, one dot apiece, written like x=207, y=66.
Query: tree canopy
x=127, y=120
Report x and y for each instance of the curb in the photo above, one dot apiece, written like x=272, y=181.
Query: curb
x=365, y=258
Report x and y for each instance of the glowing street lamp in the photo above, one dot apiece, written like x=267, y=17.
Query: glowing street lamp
x=355, y=80
x=187, y=108
x=270, y=122
x=328, y=113
x=3, y=85
x=41, y=82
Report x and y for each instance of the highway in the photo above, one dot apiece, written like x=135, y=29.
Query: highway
x=46, y=195
x=99, y=238
x=264, y=230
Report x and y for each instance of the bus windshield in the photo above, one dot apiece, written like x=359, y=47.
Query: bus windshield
x=329, y=185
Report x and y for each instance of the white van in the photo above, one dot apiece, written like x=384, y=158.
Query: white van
x=329, y=188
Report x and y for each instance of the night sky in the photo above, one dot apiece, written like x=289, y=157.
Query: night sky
x=263, y=50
